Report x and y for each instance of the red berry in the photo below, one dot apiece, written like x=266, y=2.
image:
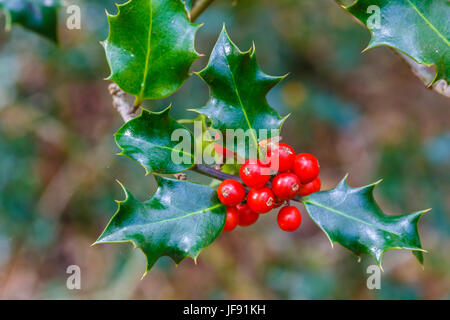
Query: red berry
x=285, y=186
x=306, y=167
x=232, y=219
x=281, y=158
x=289, y=218
x=247, y=216
x=231, y=192
x=310, y=187
x=261, y=200
x=254, y=174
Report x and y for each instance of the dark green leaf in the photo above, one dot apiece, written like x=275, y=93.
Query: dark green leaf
x=170, y=223
x=150, y=47
x=419, y=28
x=148, y=140
x=238, y=90
x=352, y=218
x=40, y=16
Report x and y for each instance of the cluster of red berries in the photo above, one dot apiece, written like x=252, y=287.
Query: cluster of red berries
x=294, y=175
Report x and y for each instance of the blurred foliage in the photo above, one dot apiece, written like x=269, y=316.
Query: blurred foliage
x=365, y=114
x=39, y=16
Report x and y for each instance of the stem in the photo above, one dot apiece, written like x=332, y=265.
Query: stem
x=426, y=75
x=198, y=8
x=219, y=175
x=126, y=110
x=213, y=173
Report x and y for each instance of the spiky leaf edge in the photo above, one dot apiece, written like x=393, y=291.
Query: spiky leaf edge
x=417, y=252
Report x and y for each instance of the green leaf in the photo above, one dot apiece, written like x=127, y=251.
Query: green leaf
x=170, y=223
x=352, y=218
x=150, y=47
x=40, y=16
x=238, y=90
x=420, y=29
x=148, y=140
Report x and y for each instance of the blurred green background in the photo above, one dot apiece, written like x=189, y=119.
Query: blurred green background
x=362, y=114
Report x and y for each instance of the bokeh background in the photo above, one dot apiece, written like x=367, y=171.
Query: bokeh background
x=362, y=114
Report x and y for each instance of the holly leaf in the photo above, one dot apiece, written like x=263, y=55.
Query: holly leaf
x=150, y=47
x=170, y=223
x=420, y=29
x=238, y=90
x=158, y=142
x=352, y=218
x=40, y=16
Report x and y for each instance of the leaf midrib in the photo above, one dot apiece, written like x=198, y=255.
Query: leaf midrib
x=236, y=90
x=182, y=217
x=147, y=58
x=347, y=216
x=144, y=141
x=172, y=149
x=428, y=22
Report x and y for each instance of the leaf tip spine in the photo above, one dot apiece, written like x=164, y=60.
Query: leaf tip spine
x=145, y=273
x=95, y=243
x=285, y=76
x=108, y=15
x=124, y=190
x=371, y=185
x=253, y=48
x=194, y=110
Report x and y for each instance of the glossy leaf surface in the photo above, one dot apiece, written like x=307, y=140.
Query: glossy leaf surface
x=418, y=28
x=40, y=16
x=238, y=90
x=172, y=222
x=352, y=218
x=157, y=141
x=150, y=47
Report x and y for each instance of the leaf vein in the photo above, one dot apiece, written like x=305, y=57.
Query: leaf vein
x=428, y=22
x=183, y=217
x=147, y=58
x=347, y=216
x=163, y=147
x=236, y=90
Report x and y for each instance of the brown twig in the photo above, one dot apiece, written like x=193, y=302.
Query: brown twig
x=126, y=110
x=426, y=74
x=219, y=175
x=198, y=8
